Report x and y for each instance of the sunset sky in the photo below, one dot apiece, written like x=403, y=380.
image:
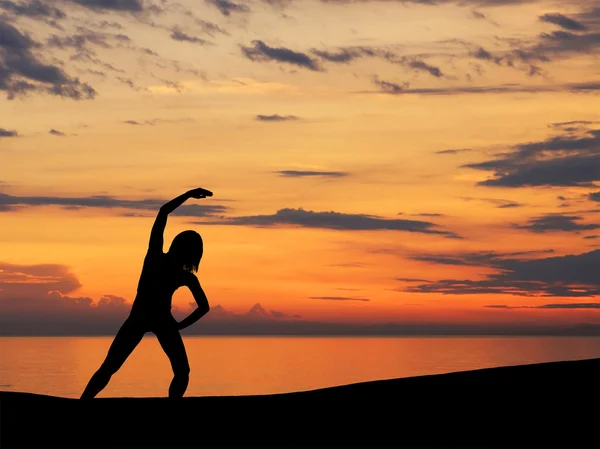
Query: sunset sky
x=421, y=164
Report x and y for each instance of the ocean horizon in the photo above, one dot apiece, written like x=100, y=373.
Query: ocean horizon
x=258, y=365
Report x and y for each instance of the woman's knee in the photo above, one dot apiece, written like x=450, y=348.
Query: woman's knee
x=181, y=370
x=107, y=370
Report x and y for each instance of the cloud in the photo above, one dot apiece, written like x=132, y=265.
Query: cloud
x=262, y=52
x=132, y=6
x=21, y=72
x=454, y=151
x=55, y=132
x=564, y=160
x=563, y=21
x=557, y=222
x=226, y=7
x=8, y=133
x=179, y=35
x=339, y=298
x=39, y=300
x=345, y=55
x=594, y=196
x=33, y=9
x=155, y=121
x=387, y=87
x=19, y=281
x=276, y=118
x=332, y=220
x=498, y=202
x=574, y=275
x=9, y=202
x=35, y=300
x=585, y=305
x=311, y=173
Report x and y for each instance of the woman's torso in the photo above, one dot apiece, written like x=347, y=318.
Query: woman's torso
x=158, y=282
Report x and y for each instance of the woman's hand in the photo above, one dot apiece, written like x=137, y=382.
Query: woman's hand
x=199, y=193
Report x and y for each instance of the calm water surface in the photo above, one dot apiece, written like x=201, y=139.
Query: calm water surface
x=61, y=366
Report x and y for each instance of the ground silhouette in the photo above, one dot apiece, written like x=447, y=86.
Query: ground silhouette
x=543, y=406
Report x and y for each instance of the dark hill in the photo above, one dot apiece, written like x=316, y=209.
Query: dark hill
x=542, y=406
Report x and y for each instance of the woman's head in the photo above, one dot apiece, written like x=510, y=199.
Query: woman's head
x=186, y=249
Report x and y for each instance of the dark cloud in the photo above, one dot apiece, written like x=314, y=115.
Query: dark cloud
x=573, y=125
x=389, y=87
x=112, y=5
x=564, y=160
x=339, y=298
x=21, y=72
x=39, y=300
x=346, y=55
x=585, y=305
x=591, y=237
x=22, y=281
x=498, y=202
x=210, y=28
x=557, y=222
x=454, y=151
x=179, y=35
x=33, y=9
x=8, y=133
x=311, y=173
x=404, y=89
x=332, y=220
x=594, y=196
x=226, y=7
x=8, y=202
x=558, y=276
x=155, y=121
x=55, y=132
x=262, y=52
x=563, y=21
x=276, y=118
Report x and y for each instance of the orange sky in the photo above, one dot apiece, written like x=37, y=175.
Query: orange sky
x=371, y=162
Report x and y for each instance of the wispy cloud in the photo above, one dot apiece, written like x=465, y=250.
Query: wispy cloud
x=22, y=71
x=32, y=9
x=13, y=203
x=178, y=35
x=563, y=21
x=276, y=118
x=8, y=133
x=311, y=173
x=557, y=222
x=585, y=305
x=563, y=160
x=339, y=298
x=454, y=151
x=574, y=275
x=332, y=220
x=259, y=51
x=227, y=7
x=132, y=6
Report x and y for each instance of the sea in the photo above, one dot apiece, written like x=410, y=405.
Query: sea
x=257, y=365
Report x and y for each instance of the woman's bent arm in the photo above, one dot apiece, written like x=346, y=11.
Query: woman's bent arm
x=201, y=300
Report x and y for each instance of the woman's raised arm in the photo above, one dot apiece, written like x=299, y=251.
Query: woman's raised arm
x=158, y=229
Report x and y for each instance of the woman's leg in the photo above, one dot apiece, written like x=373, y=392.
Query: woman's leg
x=172, y=343
x=128, y=337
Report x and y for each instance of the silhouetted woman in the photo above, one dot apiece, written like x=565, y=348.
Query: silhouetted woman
x=162, y=274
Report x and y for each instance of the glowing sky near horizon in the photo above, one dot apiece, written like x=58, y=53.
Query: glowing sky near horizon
x=371, y=161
